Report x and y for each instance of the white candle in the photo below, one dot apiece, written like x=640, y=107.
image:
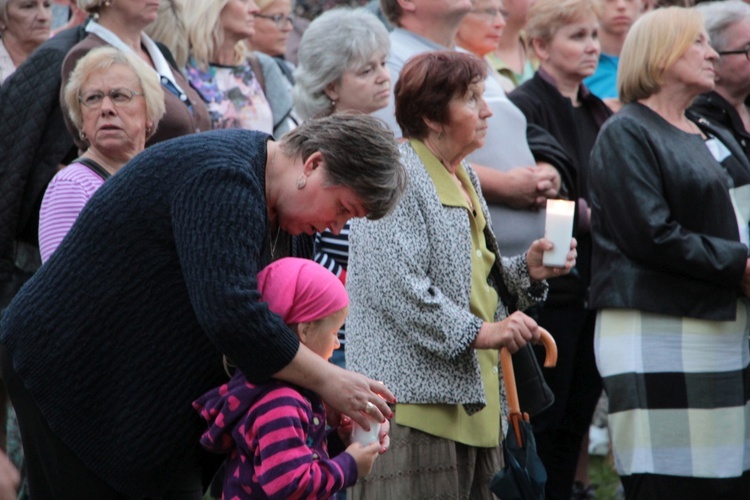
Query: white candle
x=558, y=228
x=364, y=437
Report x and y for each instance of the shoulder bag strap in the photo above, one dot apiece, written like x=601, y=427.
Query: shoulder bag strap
x=94, y=167
x=257, y=70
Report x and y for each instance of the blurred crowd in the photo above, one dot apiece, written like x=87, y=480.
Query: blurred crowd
x=236, y=235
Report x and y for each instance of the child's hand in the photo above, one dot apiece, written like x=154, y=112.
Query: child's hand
x=333, y=417
x=385, y=439
x=364, y=456
x=345, y=427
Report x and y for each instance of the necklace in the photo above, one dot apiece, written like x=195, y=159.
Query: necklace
x=272, y=245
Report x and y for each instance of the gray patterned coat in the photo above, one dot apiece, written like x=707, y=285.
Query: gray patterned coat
x=409, y=282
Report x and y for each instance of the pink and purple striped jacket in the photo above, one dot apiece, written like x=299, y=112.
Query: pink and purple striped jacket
x=275, y=435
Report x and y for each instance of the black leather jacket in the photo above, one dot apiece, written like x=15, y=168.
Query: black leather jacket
x=666, y=238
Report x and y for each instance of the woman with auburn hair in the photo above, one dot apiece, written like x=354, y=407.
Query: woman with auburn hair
x=564, y=35
x=426, y=283
x=670, y=272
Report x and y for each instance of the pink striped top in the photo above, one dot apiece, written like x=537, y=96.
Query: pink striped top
x=64, y=199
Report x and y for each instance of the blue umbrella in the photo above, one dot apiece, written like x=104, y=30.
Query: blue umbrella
x=523, y=477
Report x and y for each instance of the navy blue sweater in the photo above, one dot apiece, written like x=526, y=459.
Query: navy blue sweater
x=124, y=326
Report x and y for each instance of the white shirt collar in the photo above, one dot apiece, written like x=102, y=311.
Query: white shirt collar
x=160, y=63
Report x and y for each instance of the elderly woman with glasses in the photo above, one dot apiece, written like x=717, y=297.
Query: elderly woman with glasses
x=273, y=24
x=115, y=102
x=728, y=26
x=121, y=24
x=242, y=89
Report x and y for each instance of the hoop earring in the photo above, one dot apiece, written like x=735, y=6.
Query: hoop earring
x=301, y=181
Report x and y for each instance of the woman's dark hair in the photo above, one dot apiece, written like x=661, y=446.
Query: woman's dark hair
x=427, y=84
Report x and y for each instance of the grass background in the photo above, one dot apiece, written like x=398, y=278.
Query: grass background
x=602, y=472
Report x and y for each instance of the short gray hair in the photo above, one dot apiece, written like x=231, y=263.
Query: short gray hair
x=102, y=58
x=359, y=152
x=719, y=16
x=339, y=40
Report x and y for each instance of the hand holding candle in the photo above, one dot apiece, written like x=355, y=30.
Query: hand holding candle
x=558, y=229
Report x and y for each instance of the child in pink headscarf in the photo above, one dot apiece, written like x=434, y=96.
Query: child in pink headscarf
x=275, y=433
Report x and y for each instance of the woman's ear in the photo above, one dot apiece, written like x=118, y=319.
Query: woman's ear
x=149, y=129
x=313, y=161
x=540, y=48
x=433, y=126
x=332, y=91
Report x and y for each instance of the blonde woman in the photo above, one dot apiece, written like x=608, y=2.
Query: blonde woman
x=273, y=25
x=241, y=89
x=671, y=273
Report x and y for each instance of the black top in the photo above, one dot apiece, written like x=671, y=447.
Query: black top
x=664, y=228
x=126, y=323
x=575, y=128
x=717, y=110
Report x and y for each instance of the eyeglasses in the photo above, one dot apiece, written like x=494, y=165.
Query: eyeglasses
x=118, y=96
x=279, y=20
x=490, y=13
x=745, y=51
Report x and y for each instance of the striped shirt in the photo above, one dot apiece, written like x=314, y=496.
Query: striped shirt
x=64, y=199
x=332, y=252
x=275, y=435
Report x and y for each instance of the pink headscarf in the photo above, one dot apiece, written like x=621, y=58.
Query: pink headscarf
x=300, y=290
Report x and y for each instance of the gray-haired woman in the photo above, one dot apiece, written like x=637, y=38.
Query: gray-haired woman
x=341, y=69
x=728, y=27
x=342, y=65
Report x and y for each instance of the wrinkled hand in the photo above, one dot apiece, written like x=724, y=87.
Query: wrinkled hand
x=537, y=270
x=513, y=332
x=521, y=188
x=10, y=479
x=745, y=282
x=548, y=182
x=364, y=456
x=349, y=392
